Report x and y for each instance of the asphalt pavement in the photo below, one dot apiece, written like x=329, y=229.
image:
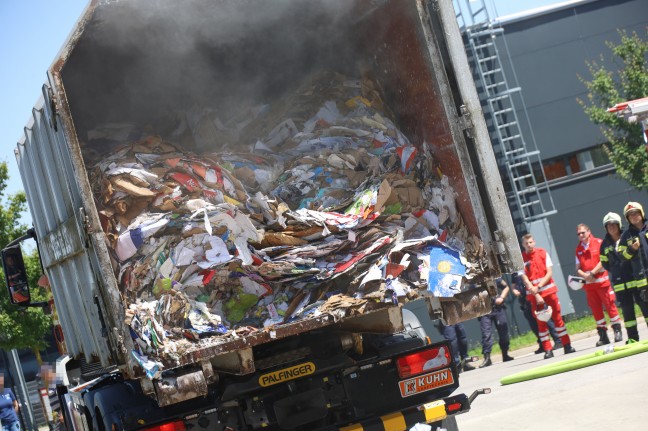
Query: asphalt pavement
x=610, y=395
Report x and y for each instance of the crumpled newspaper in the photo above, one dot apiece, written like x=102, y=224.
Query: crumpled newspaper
x=332, y=210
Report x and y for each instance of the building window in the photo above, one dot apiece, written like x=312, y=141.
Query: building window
x=554, y=169
x=599, y=157
x=575, y=163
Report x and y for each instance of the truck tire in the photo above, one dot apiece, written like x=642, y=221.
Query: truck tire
x=99, y=420
x=450, y=424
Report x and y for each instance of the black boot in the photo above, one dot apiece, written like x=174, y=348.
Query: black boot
x=506, y=357
x=569, y=349
x=540, y=349
x=465, y=366
x=603, y=337
x=618, y=335
x=549, y=354
x=487, y=361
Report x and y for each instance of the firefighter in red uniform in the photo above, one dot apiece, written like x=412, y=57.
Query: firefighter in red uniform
x=542, y=294
x=597, y=284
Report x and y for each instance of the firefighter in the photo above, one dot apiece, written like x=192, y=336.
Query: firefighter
x=620, y=270
x=634, y=247
x=543, y=294
x=597, y=286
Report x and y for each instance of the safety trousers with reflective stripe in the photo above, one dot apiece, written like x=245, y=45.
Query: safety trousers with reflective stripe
x=628, y=298
x=600, y=299
x=403, y=420
x=551, y=300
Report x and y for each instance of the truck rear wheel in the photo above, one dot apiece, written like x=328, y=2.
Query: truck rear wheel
x=99, y=420
x=450, y=424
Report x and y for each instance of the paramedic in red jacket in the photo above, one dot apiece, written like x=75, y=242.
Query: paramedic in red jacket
x=543, y=292
x=597, y=284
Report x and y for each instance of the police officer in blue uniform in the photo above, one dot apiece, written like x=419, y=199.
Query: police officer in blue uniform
x=456, y=334
x=497, y=318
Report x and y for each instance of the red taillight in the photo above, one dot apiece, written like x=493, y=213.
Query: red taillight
x=451, y=408
x=169, y=426
x=425, y=360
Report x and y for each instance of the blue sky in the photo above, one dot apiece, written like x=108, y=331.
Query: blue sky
x=32, y=33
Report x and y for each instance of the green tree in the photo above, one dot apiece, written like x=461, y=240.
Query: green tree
x=628, y=81
x=20, y=327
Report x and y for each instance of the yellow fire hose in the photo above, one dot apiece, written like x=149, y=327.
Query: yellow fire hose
x=608, y=354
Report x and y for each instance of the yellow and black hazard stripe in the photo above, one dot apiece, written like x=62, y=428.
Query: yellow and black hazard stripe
x=403, y=420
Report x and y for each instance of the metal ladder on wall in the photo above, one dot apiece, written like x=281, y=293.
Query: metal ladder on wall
x=521, y=162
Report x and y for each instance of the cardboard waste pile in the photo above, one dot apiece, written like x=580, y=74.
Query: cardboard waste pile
x=332, y=210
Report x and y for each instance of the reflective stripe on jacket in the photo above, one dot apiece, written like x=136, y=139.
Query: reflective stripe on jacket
x=619, y=269
x=638, y=258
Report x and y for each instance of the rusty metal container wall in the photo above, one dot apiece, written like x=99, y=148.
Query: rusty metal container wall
x=45, y=169
x=494, y=198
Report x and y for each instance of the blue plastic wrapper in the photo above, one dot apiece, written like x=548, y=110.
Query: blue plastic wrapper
x=446, y=272
x=150, y=367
